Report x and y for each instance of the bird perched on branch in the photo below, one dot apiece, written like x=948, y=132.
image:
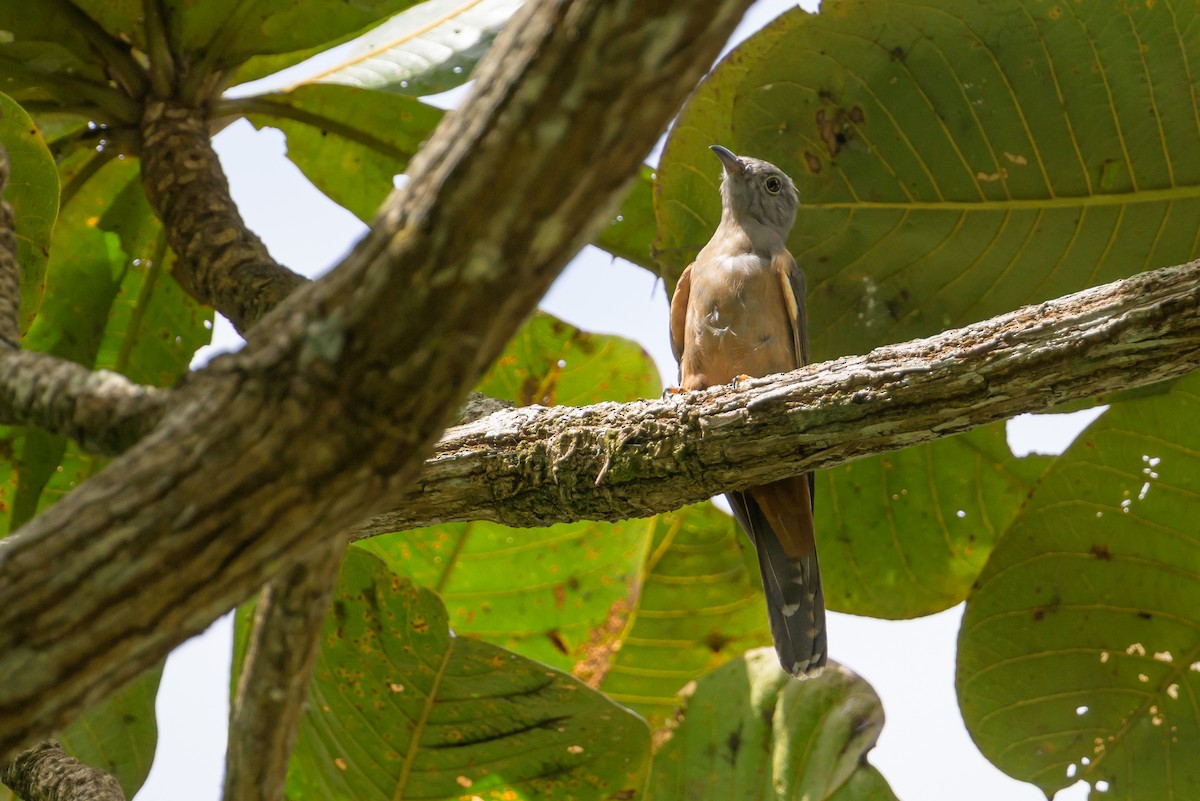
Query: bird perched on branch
x=738, y=310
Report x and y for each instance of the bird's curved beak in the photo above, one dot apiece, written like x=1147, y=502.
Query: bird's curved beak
x=732, y=164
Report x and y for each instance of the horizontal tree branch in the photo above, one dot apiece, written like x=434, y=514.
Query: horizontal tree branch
x=536, y=466
x=103, y=411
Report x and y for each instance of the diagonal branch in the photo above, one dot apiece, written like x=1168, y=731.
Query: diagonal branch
x=329, y=411
x=221, y=262
x=536, y=466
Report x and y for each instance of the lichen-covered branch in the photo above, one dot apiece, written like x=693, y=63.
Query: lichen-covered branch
x=536, y=466
x=46, y=773
x=329, y=411
x=220, y=262
x=102, y=411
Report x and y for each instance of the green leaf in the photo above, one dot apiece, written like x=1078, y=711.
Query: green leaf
x=40, y=36
x=429, y=48
x=552, y=363
x=103, y=308
x=700, y=604
x=120, y=735
x=576, y=587
x=400, y=708
x=154, y=328
x=906, y=534
x=1079, y=655
x=749, y=731
x=33, y=193
x=351, y=143
x=225, y=33
x=630, y=235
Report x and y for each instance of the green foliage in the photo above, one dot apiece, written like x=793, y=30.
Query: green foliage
x=749, y=731
x=399, y=708
x=1078, y=655
x=32, y=192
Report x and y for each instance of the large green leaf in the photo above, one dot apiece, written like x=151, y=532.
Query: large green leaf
x=630, y=235
x=154, y=328
x=700, y=604
x=1079, y=655
x=550, y=362
x=553, y=594
x=228, y=32
x=906, y=534
x=84, y=275
x=429, y=48
x=749, y=731
x=33, y=193
x=350, y=142
x=400, y=708
x=119, y=736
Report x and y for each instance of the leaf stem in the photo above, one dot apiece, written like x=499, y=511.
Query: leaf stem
x=115, y=106
x=116, y=54
x=158, y=45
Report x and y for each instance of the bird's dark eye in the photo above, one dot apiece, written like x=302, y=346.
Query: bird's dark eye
x=773, y=185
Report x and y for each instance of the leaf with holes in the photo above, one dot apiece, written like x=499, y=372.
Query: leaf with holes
x=1079, y=655
x=906, y=533
x=749, y=731
x=400, y=708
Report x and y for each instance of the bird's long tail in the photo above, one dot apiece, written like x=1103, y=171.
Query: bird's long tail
x=778, y=519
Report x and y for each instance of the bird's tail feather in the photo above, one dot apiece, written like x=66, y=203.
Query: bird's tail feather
x=795, y=600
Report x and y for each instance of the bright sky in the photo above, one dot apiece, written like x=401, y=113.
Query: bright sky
x=924, y=750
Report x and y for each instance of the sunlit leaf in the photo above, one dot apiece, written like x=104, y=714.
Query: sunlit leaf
x=429, y=48
x=349, y=142
x=228, y=32
x=907, y=533
x=32, y=192
x=550, y=362
x=552, y=594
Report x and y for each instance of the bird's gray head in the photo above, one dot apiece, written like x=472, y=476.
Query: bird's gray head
x=756, y=191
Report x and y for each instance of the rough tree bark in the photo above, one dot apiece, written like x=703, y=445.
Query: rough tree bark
x=346, y=385
x=46, y=773
x=535, y=466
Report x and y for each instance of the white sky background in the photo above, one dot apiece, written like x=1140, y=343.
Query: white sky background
x=924, y=750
